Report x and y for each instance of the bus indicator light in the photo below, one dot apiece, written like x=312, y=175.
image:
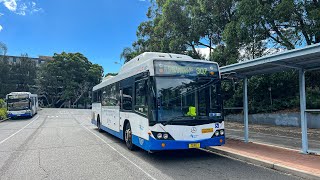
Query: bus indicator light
x=163, y=145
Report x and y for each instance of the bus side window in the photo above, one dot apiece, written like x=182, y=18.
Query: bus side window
x=141, y=105
x=127, y=98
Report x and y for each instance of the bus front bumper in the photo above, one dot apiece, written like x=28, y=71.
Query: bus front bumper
x=13, y=115
x=159, y=145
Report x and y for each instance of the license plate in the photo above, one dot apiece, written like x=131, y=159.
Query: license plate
x=194, y=145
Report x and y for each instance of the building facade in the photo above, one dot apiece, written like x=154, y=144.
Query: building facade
x=39, y=61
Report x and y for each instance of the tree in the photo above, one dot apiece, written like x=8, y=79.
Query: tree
x=3, y=50
x=285, y=24
x=68, y=78
x=111, y=74
x=128, y=54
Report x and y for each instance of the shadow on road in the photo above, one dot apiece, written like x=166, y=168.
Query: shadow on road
x=19, y=119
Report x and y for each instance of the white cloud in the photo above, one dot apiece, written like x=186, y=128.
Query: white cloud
x=10, y=4
x=21, y=8
x=34, y=8
x=204, y=52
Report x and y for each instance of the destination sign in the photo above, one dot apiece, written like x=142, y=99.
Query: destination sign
x=18, y=96
x=185, y=68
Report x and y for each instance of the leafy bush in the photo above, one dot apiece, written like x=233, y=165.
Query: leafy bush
x=2, y=103
x=3, y=113
x=3, y=110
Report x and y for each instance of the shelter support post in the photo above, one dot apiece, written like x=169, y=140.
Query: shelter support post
x=302, y=88
x=245, y=110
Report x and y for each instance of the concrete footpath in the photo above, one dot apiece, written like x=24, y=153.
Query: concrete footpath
x=281, y=159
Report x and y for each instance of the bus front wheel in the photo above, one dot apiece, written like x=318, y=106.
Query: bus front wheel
x=128, y=137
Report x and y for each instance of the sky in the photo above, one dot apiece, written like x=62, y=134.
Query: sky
x=99, y=29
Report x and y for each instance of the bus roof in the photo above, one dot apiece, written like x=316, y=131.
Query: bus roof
x=21, y=93
x=18, y=93
x=142, y=63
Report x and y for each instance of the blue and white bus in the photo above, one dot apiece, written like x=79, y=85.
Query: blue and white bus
x=22, y=104
x=162, y=101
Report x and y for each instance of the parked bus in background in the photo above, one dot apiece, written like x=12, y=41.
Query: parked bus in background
x=161, y=101
x=22, y=104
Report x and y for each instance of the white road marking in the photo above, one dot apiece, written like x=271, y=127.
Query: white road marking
x=19, y=130
x=120, y=153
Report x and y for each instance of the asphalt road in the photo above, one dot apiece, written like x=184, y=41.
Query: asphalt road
x=62, y=144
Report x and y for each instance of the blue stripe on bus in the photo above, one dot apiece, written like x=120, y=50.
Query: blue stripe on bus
x=108, y=130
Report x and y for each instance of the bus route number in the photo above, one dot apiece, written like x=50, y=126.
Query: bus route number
x=201, y=71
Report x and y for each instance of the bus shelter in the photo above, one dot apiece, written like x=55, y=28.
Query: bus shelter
x=302, y=60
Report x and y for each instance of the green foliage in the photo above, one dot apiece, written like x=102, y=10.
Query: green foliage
x=3, y=113
x=2, y=103
x=3, y=109
x=180, y=26
x=69, y=78
x=111, y=74
x=224, y=55
x=128, y=54
x=250, y=27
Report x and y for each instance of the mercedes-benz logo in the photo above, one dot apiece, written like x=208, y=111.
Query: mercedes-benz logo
x=193, y=129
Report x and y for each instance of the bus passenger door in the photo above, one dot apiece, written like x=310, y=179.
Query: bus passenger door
x=115, y=118
x=114, y=109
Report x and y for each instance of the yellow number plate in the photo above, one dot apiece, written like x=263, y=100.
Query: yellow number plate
x=208, y=130
x=194, y=145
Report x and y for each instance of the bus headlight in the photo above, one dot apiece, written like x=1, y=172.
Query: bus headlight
x=216, y=133
x=162, y=135
x=159, y=135
x=222, y=132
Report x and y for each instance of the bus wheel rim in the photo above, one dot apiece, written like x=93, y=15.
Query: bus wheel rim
x=128, y=135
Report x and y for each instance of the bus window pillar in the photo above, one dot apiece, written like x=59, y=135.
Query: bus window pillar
x=302, y=89
x=245, y=110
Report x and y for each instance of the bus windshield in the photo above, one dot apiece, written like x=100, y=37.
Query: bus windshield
x=18, y=104
x=187, y=99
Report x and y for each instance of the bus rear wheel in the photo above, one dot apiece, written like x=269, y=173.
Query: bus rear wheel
x=99, y=124
x=128, y=137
